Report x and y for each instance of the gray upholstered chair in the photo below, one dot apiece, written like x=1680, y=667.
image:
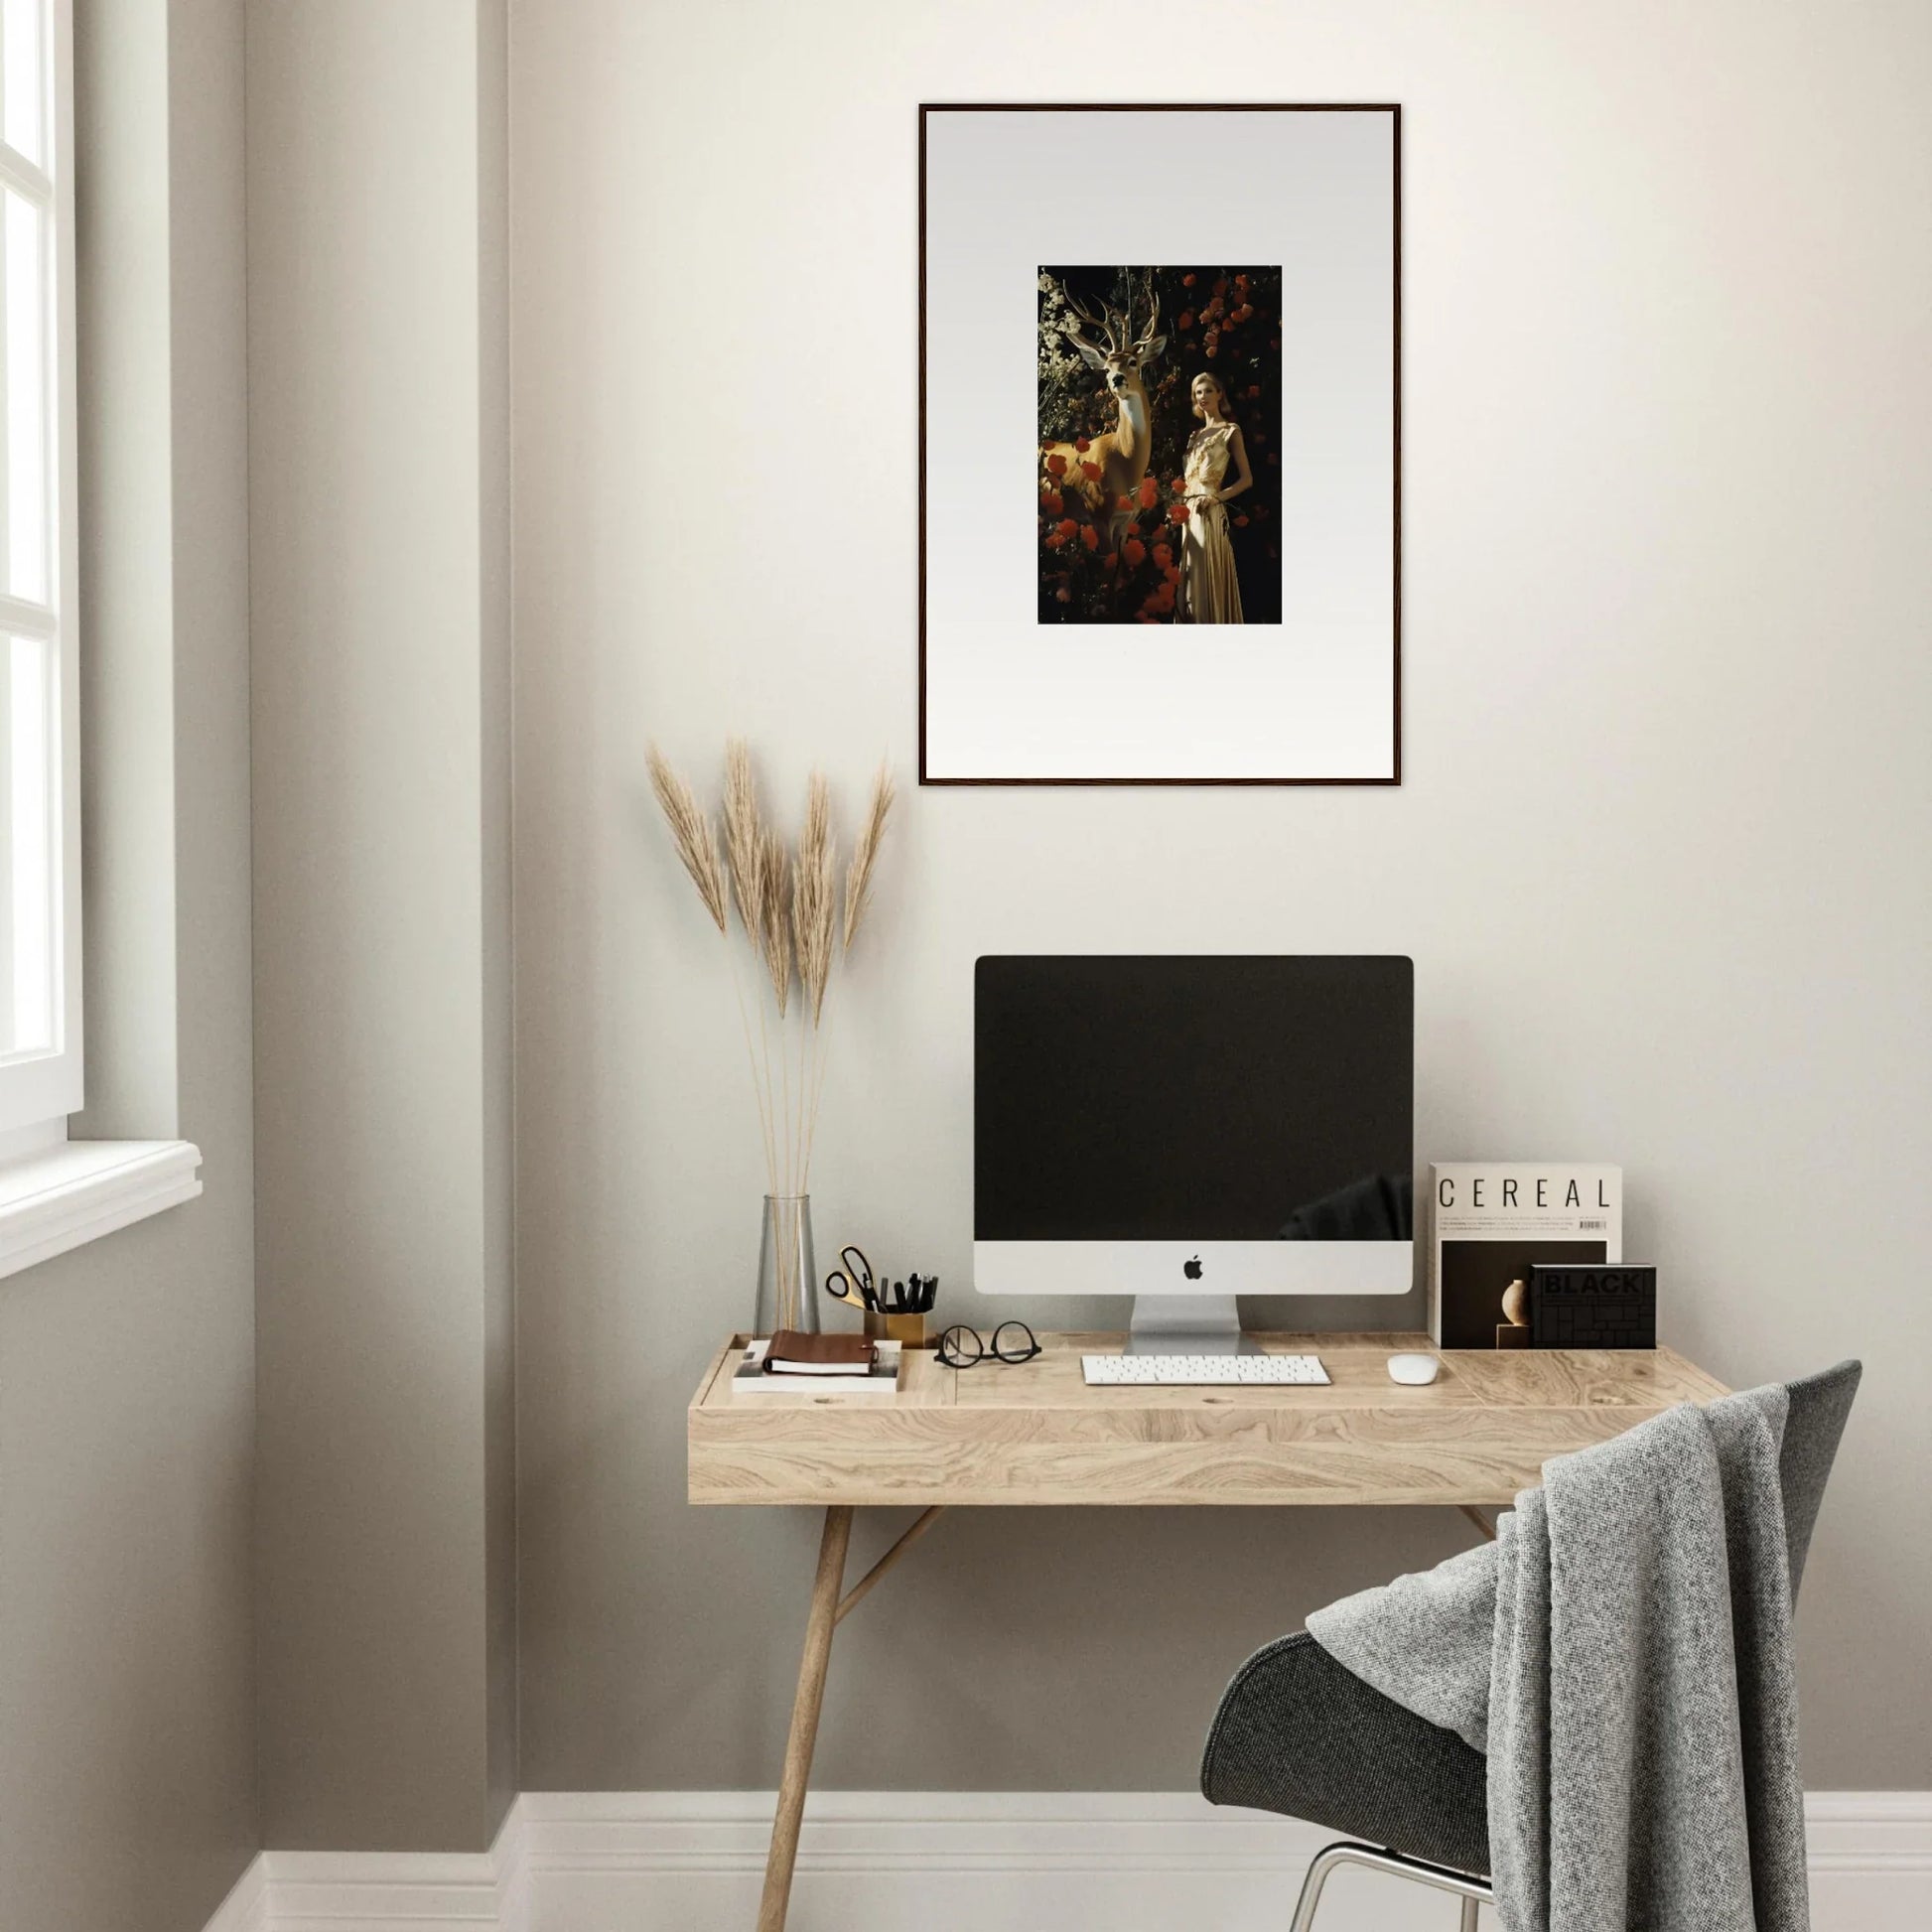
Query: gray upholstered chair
x=1297, y=1734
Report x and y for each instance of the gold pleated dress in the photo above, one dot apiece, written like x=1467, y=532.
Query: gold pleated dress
x=1209, y=591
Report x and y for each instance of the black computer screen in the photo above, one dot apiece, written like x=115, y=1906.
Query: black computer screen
x=1193, y=1098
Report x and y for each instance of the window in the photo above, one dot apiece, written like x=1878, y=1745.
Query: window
x=55, y=1192
x=40, y=820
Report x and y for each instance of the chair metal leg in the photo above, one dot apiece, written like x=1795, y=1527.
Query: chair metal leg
x=1472, y=1890
x=1324, y=1863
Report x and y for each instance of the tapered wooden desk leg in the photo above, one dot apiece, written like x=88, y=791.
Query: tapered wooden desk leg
x=804, y=1719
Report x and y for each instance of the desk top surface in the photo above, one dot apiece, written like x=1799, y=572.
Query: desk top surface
x=1034, y=1434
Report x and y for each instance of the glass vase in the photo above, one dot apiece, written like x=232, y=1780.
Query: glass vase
x=788, y=1269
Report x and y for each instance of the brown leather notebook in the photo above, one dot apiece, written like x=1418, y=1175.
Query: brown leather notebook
x=794, y=1353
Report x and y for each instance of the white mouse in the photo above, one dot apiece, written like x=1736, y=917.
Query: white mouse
x=1414, y=1369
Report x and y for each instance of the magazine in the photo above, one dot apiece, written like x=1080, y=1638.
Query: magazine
x=1492, y=1220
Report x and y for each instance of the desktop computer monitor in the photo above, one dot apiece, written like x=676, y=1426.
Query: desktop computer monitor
x=1189, y=1128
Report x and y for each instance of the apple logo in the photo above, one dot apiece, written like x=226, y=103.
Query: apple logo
x=1192, y=1268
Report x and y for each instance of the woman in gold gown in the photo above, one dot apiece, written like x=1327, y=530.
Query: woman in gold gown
x=1210, y=592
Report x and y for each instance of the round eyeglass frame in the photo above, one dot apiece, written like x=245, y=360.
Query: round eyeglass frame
x=952, y=1352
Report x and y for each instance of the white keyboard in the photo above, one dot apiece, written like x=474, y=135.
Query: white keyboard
x=1201, y=1371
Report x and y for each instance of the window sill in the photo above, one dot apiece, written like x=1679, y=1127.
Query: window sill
x=82, y=1190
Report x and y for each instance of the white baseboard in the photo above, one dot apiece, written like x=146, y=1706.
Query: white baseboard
x=245, y=1909
x=954, y=1861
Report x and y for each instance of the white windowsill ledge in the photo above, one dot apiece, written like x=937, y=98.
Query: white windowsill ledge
x=79, y=1190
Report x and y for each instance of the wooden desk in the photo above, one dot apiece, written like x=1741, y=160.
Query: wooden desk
x=1032, y=1434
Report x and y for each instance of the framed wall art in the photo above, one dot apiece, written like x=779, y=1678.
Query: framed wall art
x=1159, y=444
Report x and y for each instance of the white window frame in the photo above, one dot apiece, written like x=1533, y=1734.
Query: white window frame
x=39, y=1089
x=56, y=1194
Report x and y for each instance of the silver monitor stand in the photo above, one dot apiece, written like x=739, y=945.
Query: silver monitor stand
x=1187, y=1324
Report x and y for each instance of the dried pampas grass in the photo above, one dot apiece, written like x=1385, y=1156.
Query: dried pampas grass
x=787, y=907
x=865, y=854
x=692, y=834
x=814, y=896
x=774, y=916
x=743, y=843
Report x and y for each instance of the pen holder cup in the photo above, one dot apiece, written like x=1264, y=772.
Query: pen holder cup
x=907, y=1329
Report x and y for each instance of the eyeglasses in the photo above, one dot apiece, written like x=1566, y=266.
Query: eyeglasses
x=1013, y=1341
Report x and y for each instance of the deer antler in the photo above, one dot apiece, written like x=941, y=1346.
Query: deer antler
x=1086, y=315
x=1153, y=322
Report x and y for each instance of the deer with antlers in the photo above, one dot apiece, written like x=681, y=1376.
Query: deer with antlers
x=1119, y=456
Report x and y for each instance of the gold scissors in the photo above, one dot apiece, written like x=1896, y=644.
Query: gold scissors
x=852, y=1281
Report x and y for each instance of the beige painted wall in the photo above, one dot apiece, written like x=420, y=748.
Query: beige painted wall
x=127, y=1744
x=1660, y=856
x=379, y=519
x=492, y=67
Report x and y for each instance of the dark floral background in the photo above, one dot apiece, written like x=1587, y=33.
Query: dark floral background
x=1225, y=320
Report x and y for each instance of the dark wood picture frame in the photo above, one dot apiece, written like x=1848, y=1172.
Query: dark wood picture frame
x=1394, y=110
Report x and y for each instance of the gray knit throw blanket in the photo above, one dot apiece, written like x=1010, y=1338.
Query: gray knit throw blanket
x=1622, y=1652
